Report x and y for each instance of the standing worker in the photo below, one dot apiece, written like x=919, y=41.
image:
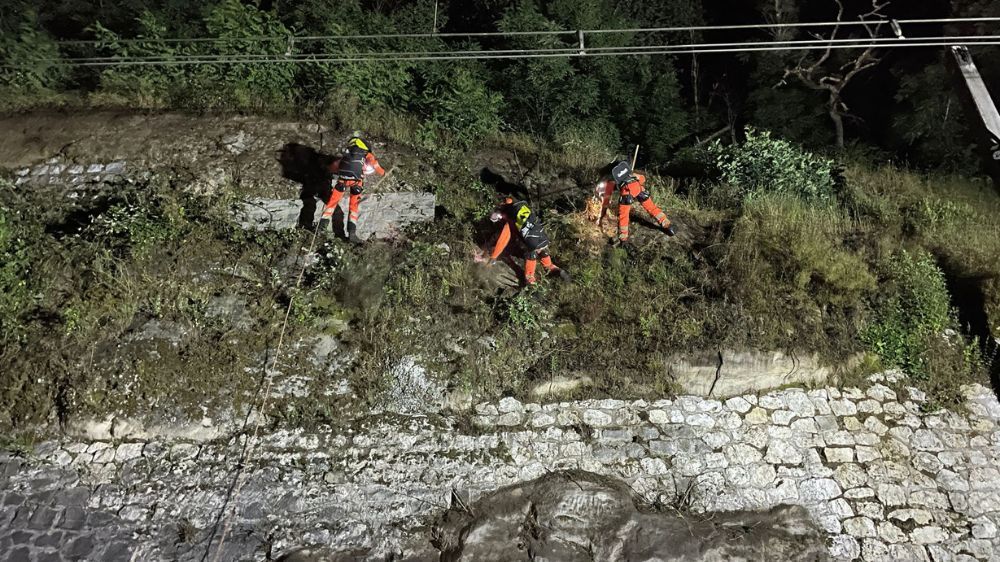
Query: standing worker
x=349, y=171
x=516, y=216
x=631, y=186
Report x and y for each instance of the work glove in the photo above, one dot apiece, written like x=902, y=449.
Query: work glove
x=670, y=230
x=492, y=262
x=324, y=225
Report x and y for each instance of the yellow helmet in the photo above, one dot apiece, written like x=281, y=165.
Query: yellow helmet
x=357, y=141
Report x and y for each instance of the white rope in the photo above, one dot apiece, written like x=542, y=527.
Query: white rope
x=232, y=500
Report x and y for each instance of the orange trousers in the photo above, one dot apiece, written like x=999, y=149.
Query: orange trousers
x=632, y=191
x=531, y=264
x=337, y=194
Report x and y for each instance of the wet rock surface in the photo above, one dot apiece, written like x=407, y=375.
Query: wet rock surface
x=880, y=474
x=579, y=516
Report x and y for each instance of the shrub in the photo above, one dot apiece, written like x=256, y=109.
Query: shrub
x=149, y=86
x=457, y=100
x=914, y=313
x=14, y=265
x=33, y=59
x=209, y=86
x=763, y=164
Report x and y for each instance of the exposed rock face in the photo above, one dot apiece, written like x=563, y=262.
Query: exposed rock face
x=382, y=214
x=730, y=373
x=579, y=516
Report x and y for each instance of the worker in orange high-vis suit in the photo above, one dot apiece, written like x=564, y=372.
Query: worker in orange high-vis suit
x=631, y=187
x=349, y=173
x=516, y=216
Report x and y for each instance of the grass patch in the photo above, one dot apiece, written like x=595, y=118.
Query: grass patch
x=143, y=299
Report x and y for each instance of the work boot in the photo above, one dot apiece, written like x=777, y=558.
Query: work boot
x=352, y=233
x=564, y=275
x=324, y=225
x=670, y=230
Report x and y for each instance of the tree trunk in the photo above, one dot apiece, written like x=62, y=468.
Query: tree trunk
x=837, y=118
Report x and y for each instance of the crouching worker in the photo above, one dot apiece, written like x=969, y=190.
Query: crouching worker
x=631, y=187
x=516, y=216
x=349, y=173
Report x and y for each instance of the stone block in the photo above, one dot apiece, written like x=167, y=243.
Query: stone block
x=596, y=418
x=782, y=417
x=782, y=452
x=73, y=518
x=843, y=407
x=50, y=539
x=128, y=451
x=700, y=420
x=509, y=405
x=80, y=547
x=845, y=547
x=738, y=404
x=928, y=535
x=859, y=527
x=757, y=416
x=838, y=455
x=383, y=215
x=743, y=372
x=819, y=489
x=20, y=554
x=42, y=518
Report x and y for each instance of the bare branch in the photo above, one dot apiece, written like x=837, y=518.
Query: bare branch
x=817, y=75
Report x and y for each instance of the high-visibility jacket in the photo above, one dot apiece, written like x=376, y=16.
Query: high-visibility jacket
x=629, y=189
x=355, y=164
x=518, y=217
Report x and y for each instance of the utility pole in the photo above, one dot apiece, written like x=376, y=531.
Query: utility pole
x=979, y=107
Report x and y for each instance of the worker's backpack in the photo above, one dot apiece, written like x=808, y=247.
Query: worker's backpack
x=621, y=172
x=352, y=163
x=524, y=219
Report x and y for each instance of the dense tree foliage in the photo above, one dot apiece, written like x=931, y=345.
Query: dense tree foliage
x=664, y=103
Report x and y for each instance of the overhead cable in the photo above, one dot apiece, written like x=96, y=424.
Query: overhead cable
x=404, y=56
x=542, y=33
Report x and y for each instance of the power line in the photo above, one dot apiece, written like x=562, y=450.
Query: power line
x=404, y=56
x=971, y=39
x=542, y=33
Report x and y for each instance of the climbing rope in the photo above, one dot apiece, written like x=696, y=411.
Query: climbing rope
x=229, y=506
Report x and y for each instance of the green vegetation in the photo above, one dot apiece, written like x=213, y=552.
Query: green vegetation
x=783, y=243
x=763, y=164
x=143, y=297
x=915, y=309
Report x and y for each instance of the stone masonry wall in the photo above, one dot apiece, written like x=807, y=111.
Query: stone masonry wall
x=884, y=478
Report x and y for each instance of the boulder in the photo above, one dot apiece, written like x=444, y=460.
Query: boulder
x=575, y=515
x=382, y=214
x=726, y=373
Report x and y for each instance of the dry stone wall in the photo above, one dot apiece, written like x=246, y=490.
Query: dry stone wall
x=884, y=478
